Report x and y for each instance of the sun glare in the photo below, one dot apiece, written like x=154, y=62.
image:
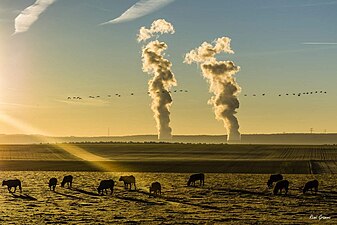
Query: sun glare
x=74, y=150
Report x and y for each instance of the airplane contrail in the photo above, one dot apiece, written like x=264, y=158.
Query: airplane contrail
x=30, y=15
x=140, y=9
x=319, y=43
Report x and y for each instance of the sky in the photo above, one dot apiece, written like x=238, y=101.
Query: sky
x=77, y=48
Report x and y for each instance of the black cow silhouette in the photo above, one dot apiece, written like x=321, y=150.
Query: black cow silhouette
x=274, y=178
x=128, y=180
x=155, y=188
x=12, y=184
x=280, y=185
x=105, y=185
x=67, y=180
x=52, y=183
x=313, y=184
x=195, y=177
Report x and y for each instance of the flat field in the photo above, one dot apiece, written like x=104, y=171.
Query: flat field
x=216, y=158
x=234, y=193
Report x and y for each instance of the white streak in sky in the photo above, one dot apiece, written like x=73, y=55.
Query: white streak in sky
x=95, y=102
x=316, y=4
x=319, y=43
x=141, y=8
x=30, y=15
x=19, y=105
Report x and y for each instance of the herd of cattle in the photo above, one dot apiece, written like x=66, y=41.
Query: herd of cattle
x=284, y=184
x=155, y=187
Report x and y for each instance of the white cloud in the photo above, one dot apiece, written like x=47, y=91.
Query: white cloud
x=30, y=15
x=141, y=8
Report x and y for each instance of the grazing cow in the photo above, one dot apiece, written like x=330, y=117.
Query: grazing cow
x=274, y=178
x=128, y=180
x=67, y=180
x=155, y=188
x=195, y=177
x=52, y=183
x=12, y=184
x=105, y=185
x=282, y=184
x=313, y=184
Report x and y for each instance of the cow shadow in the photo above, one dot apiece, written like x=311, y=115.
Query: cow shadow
x=24, y=196
x=86, y=192
x=66, y=195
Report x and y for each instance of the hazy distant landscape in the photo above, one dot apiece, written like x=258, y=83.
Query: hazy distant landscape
x=295, y=138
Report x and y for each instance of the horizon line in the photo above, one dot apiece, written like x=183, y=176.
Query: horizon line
x=135, y=135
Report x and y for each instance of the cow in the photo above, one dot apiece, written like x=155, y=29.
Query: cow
x=195, y=177
x=52, y=183
x=155, y=188
x=274, y=178
x=128, y=180
x=12, y=184
x=105, y=185
x=313, y=184
x=282, y=184
x=67, y=180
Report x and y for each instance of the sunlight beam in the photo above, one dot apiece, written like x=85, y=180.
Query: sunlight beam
x=70, y=148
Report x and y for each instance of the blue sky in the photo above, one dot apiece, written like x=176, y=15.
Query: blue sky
x=65, y=53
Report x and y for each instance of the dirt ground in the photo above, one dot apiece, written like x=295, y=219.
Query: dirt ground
x=225, y=199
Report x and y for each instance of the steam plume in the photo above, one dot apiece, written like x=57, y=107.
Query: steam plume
x=30, y=15
x=162, y=77
x=158, y=26
x=222, y=82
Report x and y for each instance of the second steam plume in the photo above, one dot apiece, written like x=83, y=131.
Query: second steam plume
x=162, y=79
x=220, y=75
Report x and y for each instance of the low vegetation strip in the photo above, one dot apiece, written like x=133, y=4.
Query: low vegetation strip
x=185, y=166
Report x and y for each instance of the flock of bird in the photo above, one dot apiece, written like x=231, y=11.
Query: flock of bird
x=291, y=94
x=118, y=95
x=185, y=91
